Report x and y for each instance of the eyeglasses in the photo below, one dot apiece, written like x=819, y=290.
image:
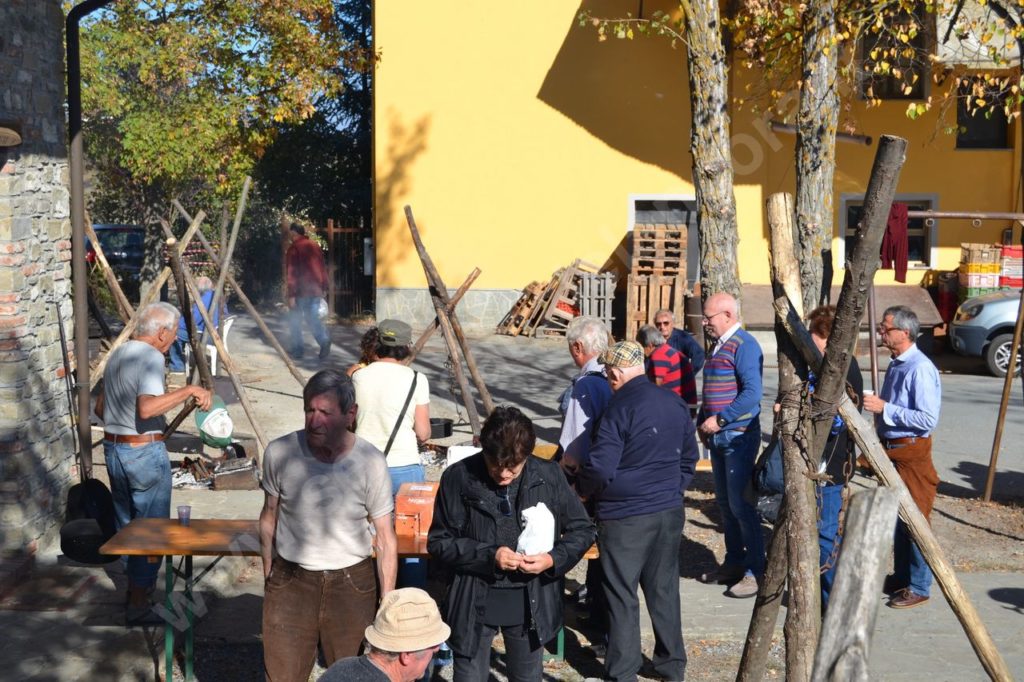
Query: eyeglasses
x=504, y=505
x=663, y=323
x=883, y=330
x=708, y=318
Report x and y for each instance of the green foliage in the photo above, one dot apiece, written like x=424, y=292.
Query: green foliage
x=181, y=99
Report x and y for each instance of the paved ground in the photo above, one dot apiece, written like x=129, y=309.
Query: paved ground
x=66, y=622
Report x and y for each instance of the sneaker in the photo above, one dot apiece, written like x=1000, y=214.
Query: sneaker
x=723, y=575
x=745, y=588
x=325, y=350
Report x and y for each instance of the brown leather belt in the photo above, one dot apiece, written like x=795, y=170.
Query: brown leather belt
x=133, y=439
x=893, y=443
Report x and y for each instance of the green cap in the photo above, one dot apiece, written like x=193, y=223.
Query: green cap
x=215, y=426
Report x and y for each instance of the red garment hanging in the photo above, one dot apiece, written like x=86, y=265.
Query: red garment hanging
x=894, y=242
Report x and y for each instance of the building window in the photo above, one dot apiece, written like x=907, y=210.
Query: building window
x=920, y=237
x=895, y=61
x=980, y=128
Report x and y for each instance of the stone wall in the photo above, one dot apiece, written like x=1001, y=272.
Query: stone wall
x=35, y=251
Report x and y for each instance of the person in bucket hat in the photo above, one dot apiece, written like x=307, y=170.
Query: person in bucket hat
x=401, y=641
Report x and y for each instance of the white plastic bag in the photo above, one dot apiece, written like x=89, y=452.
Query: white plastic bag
x=538, y=536
x=321, y=308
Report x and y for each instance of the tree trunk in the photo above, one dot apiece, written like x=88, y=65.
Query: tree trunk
x=804, y=612
x=816, y=148
x=710, y=149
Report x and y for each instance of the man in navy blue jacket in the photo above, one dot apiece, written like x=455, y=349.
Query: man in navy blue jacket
x=642, y=460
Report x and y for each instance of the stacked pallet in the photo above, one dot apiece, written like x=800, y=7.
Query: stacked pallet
x=657, y=277
x=1011, y=267
x=979, y=270
x=547, y=309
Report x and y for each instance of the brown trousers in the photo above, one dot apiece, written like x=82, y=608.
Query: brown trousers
x=913, y=462
x=301, y=608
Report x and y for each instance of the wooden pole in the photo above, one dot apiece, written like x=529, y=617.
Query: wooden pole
x=332, y=268
x=229, y=364
x=250, y=308
x=867, y=440
x=429, y=331
x=448, y=331
x=1011, y=369
x=124, y=308
x=842, y=654
x=440, y=291
x=205, y=376
x=148, y=297
x=766, y=606
x=225, y=262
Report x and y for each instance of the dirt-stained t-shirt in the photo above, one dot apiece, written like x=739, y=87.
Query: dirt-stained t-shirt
x=325, y=510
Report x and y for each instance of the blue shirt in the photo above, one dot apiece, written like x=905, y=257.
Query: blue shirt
x=912, y=393
x=581, y=407
x=684, y=342
x=207, y=297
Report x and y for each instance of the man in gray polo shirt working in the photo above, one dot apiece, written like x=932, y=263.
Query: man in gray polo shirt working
x=132, y=404
x=325, y=489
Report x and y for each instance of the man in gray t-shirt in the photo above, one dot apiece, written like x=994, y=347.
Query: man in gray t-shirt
x=132, y=404
x=327, y=506
x=406, y=633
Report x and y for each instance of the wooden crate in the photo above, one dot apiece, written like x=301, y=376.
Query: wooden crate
x=646, y=294
x=596, y=296
x=659, y=250
x=519, y=315
x=561, y=300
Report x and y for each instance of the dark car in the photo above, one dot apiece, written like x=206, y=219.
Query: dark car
x=123, y=247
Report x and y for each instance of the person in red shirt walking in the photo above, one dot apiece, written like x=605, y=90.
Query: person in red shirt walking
x=666, y=366
x=306, y=283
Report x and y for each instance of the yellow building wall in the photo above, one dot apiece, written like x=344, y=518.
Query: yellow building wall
x=518, y=139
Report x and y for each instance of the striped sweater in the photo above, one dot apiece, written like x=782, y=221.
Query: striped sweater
x=732, y=381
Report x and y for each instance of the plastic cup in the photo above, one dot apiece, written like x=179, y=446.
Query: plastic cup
x=868, y=391
x=184, y=514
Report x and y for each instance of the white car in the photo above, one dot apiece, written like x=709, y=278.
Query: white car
x=983, y=327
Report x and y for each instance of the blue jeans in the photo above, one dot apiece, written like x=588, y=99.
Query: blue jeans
x=830, y=502
x=140, y=482
x=306, y=306
x=910, y=567
x=411, y=572
x=732, y=462
x=178, y=351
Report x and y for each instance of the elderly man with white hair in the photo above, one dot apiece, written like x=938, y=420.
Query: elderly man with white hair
x=131, y=404
x=584, y=400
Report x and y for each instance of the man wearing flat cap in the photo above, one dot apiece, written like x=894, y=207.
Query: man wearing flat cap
x=400, y=643
x=643, y=458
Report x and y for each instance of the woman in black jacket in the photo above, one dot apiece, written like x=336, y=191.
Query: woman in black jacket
x=477, y=522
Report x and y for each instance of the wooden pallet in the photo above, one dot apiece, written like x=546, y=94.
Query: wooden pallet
x=659, y=250
x=563, y=304
x=517, y=318
x=596, y=296
x=646, y=294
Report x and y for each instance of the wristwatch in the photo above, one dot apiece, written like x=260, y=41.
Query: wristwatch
x=720, y=420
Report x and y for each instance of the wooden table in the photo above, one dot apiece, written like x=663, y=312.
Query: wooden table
x=203, y=537
x=218, y=538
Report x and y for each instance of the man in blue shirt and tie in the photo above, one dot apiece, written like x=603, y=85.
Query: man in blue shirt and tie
x=906, y=413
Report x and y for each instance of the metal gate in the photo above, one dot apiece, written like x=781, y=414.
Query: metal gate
x=349, y=270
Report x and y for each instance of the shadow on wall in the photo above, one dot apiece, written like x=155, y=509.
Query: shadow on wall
x=631, y=94
x=405, y=143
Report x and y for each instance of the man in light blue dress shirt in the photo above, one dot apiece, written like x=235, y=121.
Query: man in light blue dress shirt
x=906, y=413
